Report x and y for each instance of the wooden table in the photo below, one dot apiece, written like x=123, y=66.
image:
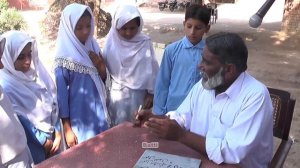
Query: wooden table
x=120, y=146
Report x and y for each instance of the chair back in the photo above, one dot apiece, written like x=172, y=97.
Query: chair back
x=283, y=112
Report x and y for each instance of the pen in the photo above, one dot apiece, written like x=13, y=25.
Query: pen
x=137, y=115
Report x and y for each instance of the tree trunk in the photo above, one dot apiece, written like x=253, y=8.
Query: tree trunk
x=51, y=22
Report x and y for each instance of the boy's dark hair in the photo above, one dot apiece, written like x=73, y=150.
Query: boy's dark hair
x=198, y=12
x=230, y=48
x=86, y=13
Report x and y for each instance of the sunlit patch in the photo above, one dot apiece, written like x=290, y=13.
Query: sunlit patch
x=82, y=90
x=116, y=96
x=280, y=37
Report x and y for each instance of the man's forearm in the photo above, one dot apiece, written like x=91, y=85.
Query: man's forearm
x=194, y=141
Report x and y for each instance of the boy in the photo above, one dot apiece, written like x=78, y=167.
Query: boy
x=178, y=70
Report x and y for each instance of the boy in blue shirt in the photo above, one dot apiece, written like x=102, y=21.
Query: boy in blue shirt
x=178, y=70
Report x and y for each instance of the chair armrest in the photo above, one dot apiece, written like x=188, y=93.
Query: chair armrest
x=281, y=153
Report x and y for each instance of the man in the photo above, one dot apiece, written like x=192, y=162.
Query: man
x=228, y=114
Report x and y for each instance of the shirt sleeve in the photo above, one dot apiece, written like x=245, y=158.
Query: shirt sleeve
x=62, y=77
x=32, y=131
x=250, y=124
x=162, y=84
x=155, y=68
x=183, y=114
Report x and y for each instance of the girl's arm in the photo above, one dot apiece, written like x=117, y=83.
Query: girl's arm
x=70, y=137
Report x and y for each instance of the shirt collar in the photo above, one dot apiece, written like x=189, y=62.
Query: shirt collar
x=188, y=44
x=235, y=88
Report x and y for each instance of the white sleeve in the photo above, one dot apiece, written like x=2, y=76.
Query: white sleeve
x=183, y=114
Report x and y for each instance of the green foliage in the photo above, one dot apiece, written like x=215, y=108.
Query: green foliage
x=3, y=5
x=11, y=19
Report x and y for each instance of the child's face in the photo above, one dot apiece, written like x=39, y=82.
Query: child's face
x=24, y=59
x=2, y=45
x=129, y=30
x=83, y=29
x=194, y=30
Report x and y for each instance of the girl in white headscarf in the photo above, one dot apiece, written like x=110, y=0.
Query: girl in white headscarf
x=79, y=72
x=13, y=148
x=32, y=94
x=132, y=64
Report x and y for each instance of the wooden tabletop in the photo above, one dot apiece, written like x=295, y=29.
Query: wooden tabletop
x=121, y=146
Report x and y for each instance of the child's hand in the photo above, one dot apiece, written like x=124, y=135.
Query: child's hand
x=99, y=63
x=56, y=143
x=95, y=58
x=71, y=138
x=47, y=146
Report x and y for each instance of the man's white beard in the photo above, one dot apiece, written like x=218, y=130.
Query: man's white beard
x=213, y=82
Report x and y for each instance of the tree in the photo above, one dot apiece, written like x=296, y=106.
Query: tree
x=51, y=22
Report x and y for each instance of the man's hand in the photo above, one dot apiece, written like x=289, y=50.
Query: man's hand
x=165, y=128
x=142, y=116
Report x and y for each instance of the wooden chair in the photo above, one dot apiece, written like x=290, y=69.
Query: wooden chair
x=282, y=118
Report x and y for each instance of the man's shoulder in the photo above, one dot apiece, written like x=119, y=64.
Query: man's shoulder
x=198, y=88
x=251, y=84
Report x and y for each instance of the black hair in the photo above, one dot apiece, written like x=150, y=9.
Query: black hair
x=86, y=13
x=138, y=21
x=198, y=12
x=230, y=48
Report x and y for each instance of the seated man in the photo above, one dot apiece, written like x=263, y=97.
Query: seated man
x=228, y=113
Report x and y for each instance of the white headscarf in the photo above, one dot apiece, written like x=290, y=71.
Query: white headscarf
x=33, y=94
x=131, y=63
x=13, y=138
x=72, y=54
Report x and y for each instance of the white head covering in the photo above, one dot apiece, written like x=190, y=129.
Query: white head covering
x=131, y=63
x=33, y=94
x=13, y=138
x=72, y=54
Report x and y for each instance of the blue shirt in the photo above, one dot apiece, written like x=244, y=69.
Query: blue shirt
x=177, y=74
x=78, y=100
x=35, y=140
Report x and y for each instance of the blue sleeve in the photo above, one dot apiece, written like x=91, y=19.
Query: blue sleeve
x=62, y=77
x=57, y=125
x=162, y=84
x=32, y=132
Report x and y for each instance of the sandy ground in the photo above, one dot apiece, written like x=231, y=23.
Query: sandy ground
x=273, y=56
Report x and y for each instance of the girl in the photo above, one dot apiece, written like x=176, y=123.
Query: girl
x=79, y=71
x=32, y=94
x=13, y=148
x=131, y=61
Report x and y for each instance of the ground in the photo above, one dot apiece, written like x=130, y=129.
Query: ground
x=274, y=56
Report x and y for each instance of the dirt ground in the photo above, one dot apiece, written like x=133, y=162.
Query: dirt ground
x=274, y=56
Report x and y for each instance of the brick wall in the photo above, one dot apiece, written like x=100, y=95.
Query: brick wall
x=291, y=17
x=19, y=4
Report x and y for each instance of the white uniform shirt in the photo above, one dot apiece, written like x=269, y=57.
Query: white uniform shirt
x=237, y=124
x=13, y=138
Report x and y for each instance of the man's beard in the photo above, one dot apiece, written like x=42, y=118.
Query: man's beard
x=213, y=82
